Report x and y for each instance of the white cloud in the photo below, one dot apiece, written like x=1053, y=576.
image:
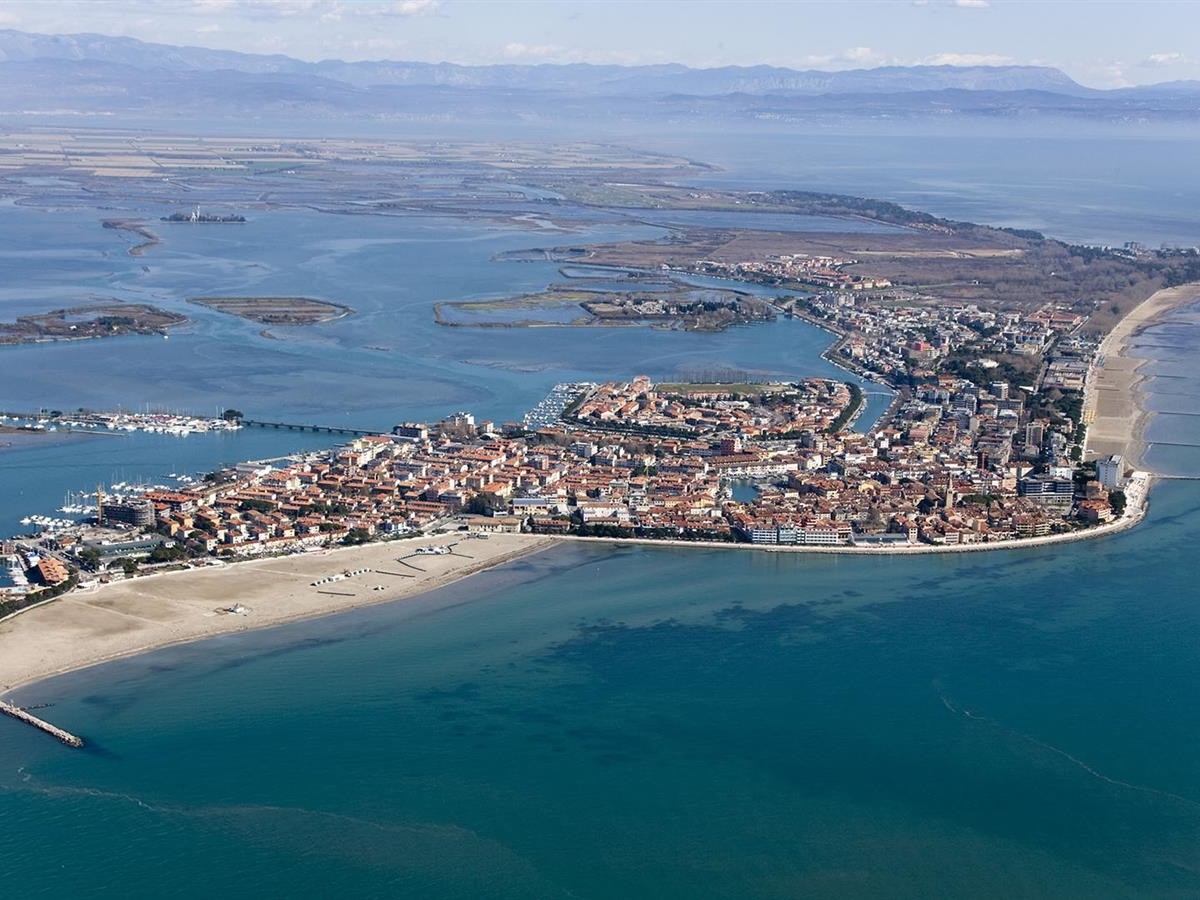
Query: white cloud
x=319, y=10
x=517, y=50
x=972, y=4
x=272, y=9
x=370, y=8
x=851, y=57
x=204, y=7
x=1155, y=60
x=414, y=7
x=860, y=55
x=968, y=59
x=1104, y=74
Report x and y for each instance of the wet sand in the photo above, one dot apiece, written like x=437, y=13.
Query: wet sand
x=111, y=621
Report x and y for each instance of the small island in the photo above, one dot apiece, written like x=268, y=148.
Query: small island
x=84, y=322
x=276, y=310
x=195, y=217
x=622, y=298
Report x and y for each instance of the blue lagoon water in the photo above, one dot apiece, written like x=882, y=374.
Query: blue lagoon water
x=387, y=362
x=594, y=721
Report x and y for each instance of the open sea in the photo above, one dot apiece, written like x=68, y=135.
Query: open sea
x=597, y=722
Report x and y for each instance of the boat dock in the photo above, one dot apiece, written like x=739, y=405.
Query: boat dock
x=41, y=724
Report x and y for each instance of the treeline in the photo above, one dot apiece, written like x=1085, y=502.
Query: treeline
x=817, y=204
x=844, y=417
x=638, y=531
x=47, y=593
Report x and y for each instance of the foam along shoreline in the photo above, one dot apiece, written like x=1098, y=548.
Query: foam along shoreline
x=109, y=622
x=1114, y=398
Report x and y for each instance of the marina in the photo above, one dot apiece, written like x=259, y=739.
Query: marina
x=81, y=506
x=550, y=410
x=178, y=424
x=12, y=573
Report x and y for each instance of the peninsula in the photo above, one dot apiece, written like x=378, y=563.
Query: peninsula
x=103, y=622
x=1013, y=420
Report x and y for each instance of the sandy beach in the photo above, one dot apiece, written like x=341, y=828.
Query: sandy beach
x=111, y=621
x=1113, y=400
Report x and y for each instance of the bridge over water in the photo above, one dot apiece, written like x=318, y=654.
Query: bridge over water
x=325, y=429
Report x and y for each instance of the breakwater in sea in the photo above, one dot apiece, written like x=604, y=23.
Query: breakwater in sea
x=23, y=715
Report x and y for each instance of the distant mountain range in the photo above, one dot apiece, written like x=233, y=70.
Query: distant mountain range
x=88, y=74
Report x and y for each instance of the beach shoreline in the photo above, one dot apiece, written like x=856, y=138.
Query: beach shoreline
x=94, y=626
x=1114, y=401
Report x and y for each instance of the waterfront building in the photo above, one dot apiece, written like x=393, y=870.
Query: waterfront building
x=1047, y=490
x=51, y=571
x=139, y=513
x=1110, y=472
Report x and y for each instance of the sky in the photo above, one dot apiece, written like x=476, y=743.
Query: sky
x=1100, y=43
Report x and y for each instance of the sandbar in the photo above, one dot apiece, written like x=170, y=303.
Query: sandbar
x=107, y=622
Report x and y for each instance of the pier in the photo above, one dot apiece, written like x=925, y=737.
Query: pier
x=29, y=718
x=326, y=429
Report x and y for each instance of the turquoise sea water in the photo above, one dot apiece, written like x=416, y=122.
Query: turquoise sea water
x=633, y=722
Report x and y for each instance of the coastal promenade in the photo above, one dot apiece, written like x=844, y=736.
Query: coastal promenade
x=1137, y=493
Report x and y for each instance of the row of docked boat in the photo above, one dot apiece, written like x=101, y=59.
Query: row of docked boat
x=49, y=523
x=15, y=571
x=155, y=423
x=550, y=410
x=80, y=504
